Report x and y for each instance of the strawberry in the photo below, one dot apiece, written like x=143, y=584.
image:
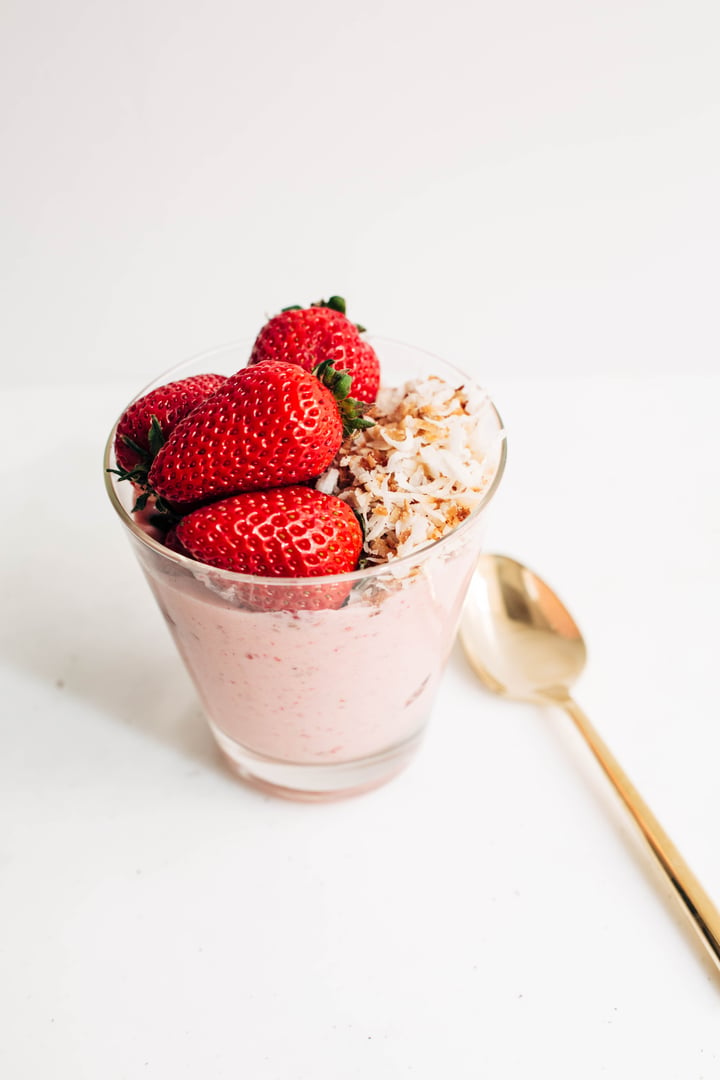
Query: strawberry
x=268, y=425
x=286, y=532
x=308, y=336
x=171, y=541
x=168, y=404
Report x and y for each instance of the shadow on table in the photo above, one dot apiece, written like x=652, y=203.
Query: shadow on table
x=106, y=645
x=149, y=693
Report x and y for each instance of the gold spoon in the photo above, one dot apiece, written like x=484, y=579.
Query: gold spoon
x=524, y=644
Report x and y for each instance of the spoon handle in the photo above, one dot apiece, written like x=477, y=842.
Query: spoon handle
x=698, y=905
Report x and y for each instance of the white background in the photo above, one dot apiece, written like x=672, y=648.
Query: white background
x=530, y=185
x=529, y=189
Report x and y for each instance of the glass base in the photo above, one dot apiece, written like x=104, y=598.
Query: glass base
x=310, y=782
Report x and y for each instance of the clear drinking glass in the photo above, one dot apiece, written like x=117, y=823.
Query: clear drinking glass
x=306, y=700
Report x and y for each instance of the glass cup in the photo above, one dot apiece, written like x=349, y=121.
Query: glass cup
x=318, y=687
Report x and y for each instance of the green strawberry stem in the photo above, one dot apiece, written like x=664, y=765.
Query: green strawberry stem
x=351, y=410
x=335, y=303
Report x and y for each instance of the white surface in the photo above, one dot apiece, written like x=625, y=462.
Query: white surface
x=489, y=913
x=530, y=189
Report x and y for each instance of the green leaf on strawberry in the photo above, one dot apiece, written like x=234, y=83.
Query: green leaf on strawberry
x=335, y=303
x=156, y=438
x=339, y=383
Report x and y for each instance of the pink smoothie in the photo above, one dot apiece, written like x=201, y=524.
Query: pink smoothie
x=319, y=686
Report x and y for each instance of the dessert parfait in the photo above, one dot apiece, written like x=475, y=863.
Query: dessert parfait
x=308, y=513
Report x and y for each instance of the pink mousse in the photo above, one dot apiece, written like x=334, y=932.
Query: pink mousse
x=319, y=686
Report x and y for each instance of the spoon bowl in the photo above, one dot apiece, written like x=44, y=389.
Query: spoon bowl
x=518, y=636
x=523, y=644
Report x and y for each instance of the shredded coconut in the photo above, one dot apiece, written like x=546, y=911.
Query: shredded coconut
x=420, y=470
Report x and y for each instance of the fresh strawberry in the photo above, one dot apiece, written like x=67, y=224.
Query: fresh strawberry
x=168, y=404
x=171, y=541
x=268, y=425
x=286, y=532
x=308, y=336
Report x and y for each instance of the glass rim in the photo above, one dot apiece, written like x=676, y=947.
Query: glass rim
x=317, y=580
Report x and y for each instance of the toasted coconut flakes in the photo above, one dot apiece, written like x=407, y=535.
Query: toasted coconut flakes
x=328, y=482
x=420, y=470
